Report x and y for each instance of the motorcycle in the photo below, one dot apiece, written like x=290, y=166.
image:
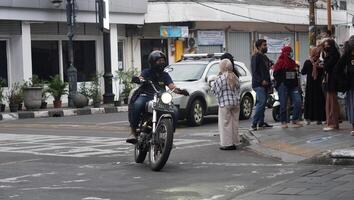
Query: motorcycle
x=155, y=132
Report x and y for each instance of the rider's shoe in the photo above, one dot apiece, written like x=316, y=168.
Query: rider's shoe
x=132, y=138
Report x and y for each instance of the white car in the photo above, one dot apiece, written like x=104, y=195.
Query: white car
x=192, y=74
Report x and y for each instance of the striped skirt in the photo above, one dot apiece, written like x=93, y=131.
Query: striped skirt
x=349, y=102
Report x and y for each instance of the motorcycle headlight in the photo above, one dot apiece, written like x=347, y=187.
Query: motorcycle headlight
x=166, y=98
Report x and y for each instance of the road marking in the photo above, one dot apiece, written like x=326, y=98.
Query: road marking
x=109, y=123
x=79, y=146
x=20, y=161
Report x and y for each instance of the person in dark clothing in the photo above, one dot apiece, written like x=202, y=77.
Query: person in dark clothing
x=287, y=84
x=160, y=79
x=332, y=107
x=260, y=65
x=314, y=96
x=345, y=69
x=231, y=58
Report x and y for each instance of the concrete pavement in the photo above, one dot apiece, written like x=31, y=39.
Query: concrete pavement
x=305, y=143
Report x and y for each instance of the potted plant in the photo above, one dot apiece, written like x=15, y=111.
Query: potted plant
x=95, y=91
x=2, y=106
x=57, y=88
x=32, y=93
x=125, y=78
x=81, y=99
x=14, y=97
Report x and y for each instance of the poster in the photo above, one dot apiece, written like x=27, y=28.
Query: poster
x=275, y=45
x=211, y=37
x=174, y=31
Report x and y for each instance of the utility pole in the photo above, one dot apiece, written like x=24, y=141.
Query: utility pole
x=329, y=15
x=312, y=24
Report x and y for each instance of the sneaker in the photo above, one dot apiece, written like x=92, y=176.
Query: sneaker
x=284, y=126
x=132, y=139
x=328, y=129
x=253, y=128
x=319, y=123
x=265, y=125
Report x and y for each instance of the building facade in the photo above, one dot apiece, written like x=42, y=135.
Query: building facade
x=233, y=27
x=33, y=38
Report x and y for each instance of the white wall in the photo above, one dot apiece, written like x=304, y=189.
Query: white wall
x=21, y=58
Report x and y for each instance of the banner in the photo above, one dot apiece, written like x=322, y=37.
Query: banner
x=275, y=45
x=211, y=37
x=174, y=31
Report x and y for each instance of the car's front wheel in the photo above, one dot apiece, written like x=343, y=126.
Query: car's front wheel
x=196, y=113
x=246, y=107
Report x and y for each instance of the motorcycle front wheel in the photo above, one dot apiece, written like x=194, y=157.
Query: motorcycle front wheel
x=160, y=148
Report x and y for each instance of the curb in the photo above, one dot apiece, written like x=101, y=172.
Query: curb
x=61, y=113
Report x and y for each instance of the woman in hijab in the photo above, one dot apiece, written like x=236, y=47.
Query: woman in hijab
x=314, y=96
x=332, y=107
x=287, y=84
x=226, y=88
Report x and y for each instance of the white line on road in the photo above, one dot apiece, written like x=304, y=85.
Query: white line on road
x=78, y=146
x=115, y=122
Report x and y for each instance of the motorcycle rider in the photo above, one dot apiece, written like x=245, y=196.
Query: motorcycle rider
x=156, y=74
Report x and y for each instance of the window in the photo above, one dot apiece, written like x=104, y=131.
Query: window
x=241, y=70
x=214, y=70
x=121, y=55
x=45, y=59
x=84, y=59
x=186, y=72
x=3, y=62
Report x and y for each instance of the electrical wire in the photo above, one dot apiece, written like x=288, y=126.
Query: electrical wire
x=247, y=17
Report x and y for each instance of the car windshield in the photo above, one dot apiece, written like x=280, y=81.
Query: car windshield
x=186, y=72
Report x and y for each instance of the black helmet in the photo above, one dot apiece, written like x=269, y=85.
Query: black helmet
x=153, y=57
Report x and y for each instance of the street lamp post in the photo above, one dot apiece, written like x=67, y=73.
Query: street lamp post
x=71, y=71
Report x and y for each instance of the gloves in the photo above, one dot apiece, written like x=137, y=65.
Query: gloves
x=184, y=92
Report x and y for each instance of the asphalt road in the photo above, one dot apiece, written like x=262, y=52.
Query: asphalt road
x=86, y=158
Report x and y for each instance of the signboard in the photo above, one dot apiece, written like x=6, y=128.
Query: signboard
x=103, y=13
x=174, y=31
x=275, y=45
x=211, y=37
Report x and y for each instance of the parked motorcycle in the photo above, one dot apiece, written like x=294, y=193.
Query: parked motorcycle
x=156, y=131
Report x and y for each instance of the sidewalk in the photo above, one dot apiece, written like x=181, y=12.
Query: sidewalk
x=62, y=112
x=306, y=144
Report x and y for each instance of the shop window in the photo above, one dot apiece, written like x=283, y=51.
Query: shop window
x=3, y=62
x=84, y=59
x=121, y=55
x=45, y=59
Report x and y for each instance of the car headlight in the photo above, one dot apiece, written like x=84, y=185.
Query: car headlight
x=166, y=98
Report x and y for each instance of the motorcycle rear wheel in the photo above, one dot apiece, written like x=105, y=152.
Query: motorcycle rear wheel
x=160, y=152
x=139, y=154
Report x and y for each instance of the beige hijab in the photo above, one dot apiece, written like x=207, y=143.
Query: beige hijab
x=226, y=69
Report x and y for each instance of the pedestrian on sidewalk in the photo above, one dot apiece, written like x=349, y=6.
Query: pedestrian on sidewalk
x=261, y=83
x=287, y=84
x=314, y=96
x=345, y=73
x=331, y=57
x=227, y=90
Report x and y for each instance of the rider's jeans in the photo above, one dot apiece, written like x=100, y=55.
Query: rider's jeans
x=137, y=108
x=284, y=92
